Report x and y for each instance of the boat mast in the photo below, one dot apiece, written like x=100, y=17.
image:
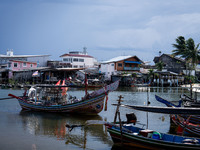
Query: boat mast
x=86, y=83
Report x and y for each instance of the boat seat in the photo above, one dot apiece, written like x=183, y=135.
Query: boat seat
x=178, y=139
x=131, y=128
x=167, y=137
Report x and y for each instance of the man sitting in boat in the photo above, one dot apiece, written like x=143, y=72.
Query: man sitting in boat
x=32, y=93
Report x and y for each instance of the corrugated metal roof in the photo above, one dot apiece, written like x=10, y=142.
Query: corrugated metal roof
x=76, y=55
x=17, y=56
x=119, y=58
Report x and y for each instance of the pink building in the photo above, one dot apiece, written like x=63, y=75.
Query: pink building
x=17, y=65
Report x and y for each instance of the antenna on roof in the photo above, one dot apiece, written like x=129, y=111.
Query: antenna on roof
x=84, y=50
x=9, y=52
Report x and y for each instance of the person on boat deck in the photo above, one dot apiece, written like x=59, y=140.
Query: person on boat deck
x=31, y=93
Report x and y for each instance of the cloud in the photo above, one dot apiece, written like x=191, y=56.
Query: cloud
x=159, y=30
x=114, y=27
x=177, y=24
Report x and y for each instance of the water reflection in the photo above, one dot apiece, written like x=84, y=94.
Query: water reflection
x=54, y=125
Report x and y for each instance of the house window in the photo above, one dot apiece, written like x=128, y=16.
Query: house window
x=119, y=64
x=112, y=64
x=24, y=64
x=31, y=65
x=9, y=65
x=15, y=65
x=81, y=66
x=75, y=66
x=81, y=60
x=65, y=59
x=75, y=59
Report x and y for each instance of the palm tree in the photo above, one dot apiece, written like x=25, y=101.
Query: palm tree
x=150, y=75
x=192, y=52
x=159, y=65
x=186, y=49
x=180, y=47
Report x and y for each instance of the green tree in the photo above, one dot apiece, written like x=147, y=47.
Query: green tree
x=186, y=49
x=192, y=52
x=159, y=66
x=150, y=73
x=180, y=47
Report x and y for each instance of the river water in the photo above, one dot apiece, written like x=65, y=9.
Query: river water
x=38, y=131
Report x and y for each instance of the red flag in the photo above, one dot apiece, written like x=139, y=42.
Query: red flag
x=64, y=89
x=58, y=83
x=63, y=83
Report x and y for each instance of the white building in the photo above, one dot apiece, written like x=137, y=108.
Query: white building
x=120, y=64
x=76, y=59
x=41, y=60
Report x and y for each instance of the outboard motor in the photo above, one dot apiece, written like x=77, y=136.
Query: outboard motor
x=131, y=118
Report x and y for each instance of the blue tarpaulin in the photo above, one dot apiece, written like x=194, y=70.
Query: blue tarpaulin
x=133, y=62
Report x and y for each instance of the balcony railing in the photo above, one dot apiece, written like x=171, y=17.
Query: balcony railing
x=132, y=68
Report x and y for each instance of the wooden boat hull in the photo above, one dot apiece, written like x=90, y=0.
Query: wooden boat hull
x=93, y=106
x=131, y=140
x=187, y=128
x=166, y=110
x=167, y=103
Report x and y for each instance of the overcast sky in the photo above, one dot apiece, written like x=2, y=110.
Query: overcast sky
x=108, y=28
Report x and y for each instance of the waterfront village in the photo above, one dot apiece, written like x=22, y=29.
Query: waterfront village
x=74, y=66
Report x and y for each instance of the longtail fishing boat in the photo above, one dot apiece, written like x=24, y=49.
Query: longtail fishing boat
x=166, y=102
x=165, y=110
x=136, y=137
x=186, y=102
x=170, y=109
x=133, y=136
x=187, y=124
x=54, y=98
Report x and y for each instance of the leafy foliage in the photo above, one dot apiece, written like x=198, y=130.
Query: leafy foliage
x=150, y=74
x=186, y=49
x=159, y=66
x=190, y=79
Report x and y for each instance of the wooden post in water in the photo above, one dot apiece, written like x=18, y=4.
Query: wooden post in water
x=191, y=90
x=117, y=110
x=117, y=113
x=148, y=102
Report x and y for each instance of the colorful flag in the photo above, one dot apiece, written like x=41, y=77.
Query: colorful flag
x=58, y=83
x=35, y=74
x=64, y=89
